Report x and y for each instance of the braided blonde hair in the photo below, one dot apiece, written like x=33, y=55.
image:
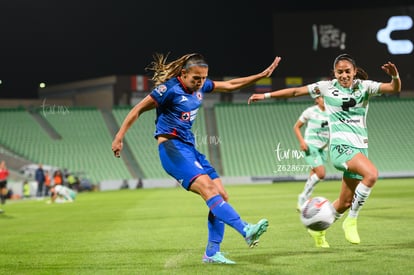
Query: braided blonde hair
x=164, y=71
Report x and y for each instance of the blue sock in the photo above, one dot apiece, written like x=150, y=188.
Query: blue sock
x=223, y=211
x=215, y=234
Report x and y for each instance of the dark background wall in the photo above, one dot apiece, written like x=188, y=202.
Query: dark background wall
x=312, y=39
x=57, y=41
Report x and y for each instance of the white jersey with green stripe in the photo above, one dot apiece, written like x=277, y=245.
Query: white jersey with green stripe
x=317, y=131
x=347, y=109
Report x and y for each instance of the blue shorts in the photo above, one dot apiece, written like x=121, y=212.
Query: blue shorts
x=183, y=162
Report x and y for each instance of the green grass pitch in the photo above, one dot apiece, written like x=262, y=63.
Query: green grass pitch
x=163, y=231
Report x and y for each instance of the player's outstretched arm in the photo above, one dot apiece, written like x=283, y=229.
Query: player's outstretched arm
x=240, y=82
x=284, y=93
x=144, y=105
x=394, y=86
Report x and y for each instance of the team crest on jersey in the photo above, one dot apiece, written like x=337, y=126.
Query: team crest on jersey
x=357, y=93
x=199, y=96
x=161, y=89
x=185, y=116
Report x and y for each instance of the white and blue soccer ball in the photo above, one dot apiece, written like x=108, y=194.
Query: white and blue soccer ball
x=317, y=213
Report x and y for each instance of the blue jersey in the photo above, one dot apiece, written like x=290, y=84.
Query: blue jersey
x=177, y=108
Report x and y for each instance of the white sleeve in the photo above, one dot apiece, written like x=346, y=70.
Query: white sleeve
x=372, y=87
x=305, y=116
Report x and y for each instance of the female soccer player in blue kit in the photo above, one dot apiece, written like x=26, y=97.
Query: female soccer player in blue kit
x=179, y=90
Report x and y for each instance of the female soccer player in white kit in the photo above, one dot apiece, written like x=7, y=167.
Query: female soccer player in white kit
x=346, y=101
x=60, y=194
x=314, y=143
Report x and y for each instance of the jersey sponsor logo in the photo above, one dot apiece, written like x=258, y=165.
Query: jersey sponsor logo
x=161, y=89
x=348, y=102
x=344, y=120
x=189, y=116
x=322, y=134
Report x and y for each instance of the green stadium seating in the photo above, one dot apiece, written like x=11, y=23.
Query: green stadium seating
x=85, y=146
x=255, y=140
x=251, y=134
x=391, y=130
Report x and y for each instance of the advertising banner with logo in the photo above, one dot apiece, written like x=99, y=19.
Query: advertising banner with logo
x=309, y=41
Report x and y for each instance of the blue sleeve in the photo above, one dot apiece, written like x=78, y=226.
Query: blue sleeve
x=160, y=94
x=208, y=86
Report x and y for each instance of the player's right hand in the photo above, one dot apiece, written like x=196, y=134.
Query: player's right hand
x=255, y=97
x=117, y=147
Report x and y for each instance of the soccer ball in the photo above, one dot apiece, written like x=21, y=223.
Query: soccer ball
x=317, y=213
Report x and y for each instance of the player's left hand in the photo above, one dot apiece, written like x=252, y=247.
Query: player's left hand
x=269, y=70
x=390, y=69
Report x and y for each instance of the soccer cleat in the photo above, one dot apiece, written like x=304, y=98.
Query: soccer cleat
x=301, y=202
x=254, y=231
x=319, y=237
x=217, y=258
x=350, y=228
